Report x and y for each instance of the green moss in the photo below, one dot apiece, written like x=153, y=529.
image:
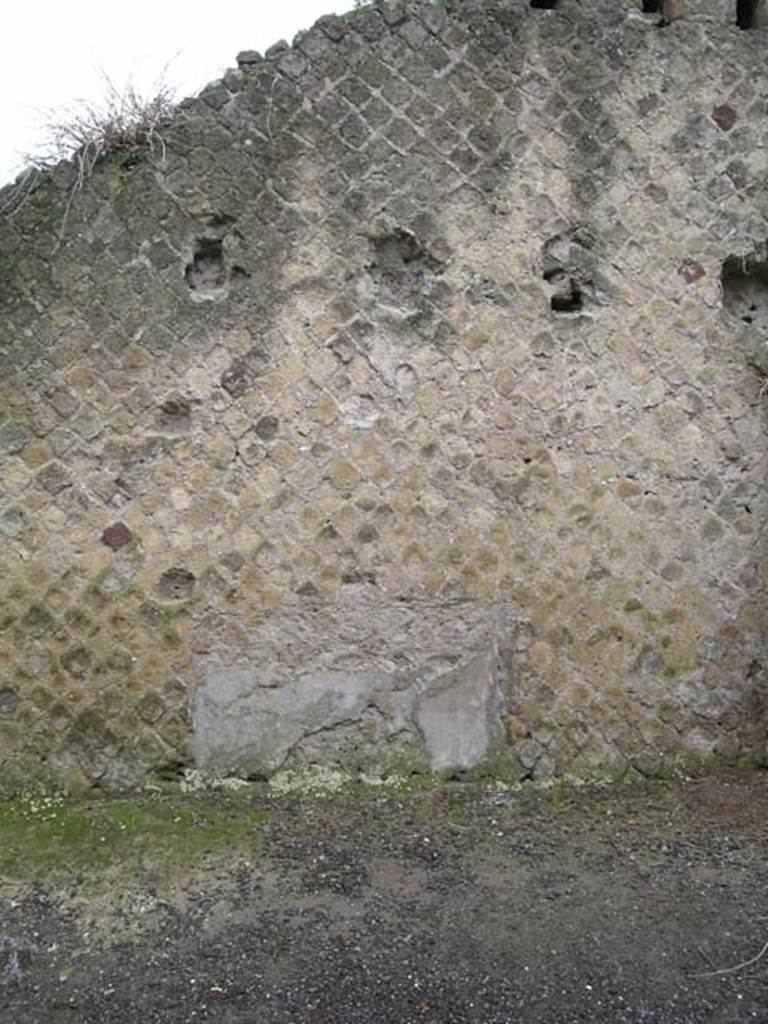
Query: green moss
x=117, y=177
x=49, y=836
x=500, y=769
x=121, y=166
x=45, y=204
x=556, y=795
x=672, y=671
x=158, y=616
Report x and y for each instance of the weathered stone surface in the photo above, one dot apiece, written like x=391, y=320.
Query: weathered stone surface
x=248, y=729
x=13, y=438
x=434, y=336
x=247, y=59
x=425, y=700
x=349, y=717
x=459, y=714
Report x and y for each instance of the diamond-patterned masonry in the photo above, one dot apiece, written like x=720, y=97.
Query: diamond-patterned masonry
x=390, y=412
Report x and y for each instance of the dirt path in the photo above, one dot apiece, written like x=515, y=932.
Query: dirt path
x=438, y=906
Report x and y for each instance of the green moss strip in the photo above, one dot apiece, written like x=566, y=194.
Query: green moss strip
x=48, y=836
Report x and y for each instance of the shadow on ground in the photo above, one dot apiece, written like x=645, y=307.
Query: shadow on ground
x=436, y=906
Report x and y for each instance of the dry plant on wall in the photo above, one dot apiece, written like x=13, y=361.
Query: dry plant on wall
x=124, y=122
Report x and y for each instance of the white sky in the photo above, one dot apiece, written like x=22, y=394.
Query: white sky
x=53, y=52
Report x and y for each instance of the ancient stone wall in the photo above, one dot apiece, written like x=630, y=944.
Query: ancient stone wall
x=396, y=410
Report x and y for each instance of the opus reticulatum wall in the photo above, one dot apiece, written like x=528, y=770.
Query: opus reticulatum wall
x=397, y=410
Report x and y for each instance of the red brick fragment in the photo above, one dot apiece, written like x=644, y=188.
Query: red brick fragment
x=116, y=536
x=724, y=116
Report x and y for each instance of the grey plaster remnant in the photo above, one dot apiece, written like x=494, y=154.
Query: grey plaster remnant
x=460, y=714
x=450, y=723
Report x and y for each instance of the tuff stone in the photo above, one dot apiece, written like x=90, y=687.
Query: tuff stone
x=248, y=59
x=9, y=700
x=76, y=661
x=267, y=428
x=14, y=437
x=277, y=49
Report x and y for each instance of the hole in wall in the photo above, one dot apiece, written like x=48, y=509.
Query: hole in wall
x=406, y=273
x=206, y=275
x=744, y=281
x=566, y=296
x=130, y=161
x=176, y=584
x=400, y=258
x=171, y=771
x=747, y=14
x=569, y=300
x=545, y=5
x=570, y=270
x=651, y=6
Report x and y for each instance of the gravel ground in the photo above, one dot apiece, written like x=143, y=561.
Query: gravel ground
x=437, y=906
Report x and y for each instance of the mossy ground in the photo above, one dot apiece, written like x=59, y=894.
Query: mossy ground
x=45, y=837
x=169, y=835
x=454, y=904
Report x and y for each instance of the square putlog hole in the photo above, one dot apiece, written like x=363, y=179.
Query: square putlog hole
x=206, y=275
x=745, y=288
x=568, y=301
x=751, y=14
